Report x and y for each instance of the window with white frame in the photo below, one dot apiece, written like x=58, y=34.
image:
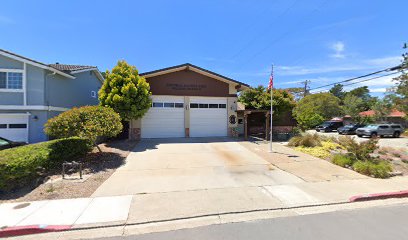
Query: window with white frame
x=11, y=80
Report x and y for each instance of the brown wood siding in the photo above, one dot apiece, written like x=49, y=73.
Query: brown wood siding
x=187, y=83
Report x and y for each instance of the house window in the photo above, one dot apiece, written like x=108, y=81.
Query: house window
x=193, y=105
x=168, y=105
x=179, y=105
x=17, y=125
x=11, y=80
x=223, y=105
x=157, y=104
x=93, y=94
x=203, y=105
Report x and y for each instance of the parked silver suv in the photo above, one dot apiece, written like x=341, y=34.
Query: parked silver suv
x=380, y=130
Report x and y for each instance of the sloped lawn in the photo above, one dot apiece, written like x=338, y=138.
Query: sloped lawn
x=366, y=158
x=97, y=168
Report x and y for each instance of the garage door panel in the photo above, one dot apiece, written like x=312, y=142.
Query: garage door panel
x=14, y=127
x=208, y=122
x=164, y=122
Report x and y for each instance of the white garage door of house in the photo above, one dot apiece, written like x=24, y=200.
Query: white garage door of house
x=208, y=117
x=165, y=119
x=14, y=127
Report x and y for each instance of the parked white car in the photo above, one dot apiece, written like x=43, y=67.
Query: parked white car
x=381, y=130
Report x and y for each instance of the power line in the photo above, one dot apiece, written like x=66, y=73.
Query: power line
x=365, y=80
x=363, y=76
x=270, y=25
x=291, y=30
x=306, y=87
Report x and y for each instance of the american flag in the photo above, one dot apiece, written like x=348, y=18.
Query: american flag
x=270, y=86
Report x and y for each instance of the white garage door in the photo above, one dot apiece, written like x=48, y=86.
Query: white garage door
x=208, y=117
x=165, y=119
x=14, y=127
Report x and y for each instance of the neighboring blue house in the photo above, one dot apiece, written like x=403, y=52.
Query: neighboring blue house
x=32, y=92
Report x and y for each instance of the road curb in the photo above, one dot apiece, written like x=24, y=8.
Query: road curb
x=31, y=229
x=377, y=196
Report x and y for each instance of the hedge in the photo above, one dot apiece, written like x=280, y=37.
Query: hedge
x=23, y=166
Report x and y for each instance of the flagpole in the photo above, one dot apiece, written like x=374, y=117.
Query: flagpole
x=270, y=140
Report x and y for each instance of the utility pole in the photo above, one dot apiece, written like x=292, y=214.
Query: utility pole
x=306, y=87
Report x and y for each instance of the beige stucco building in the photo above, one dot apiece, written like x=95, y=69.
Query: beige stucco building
x=189, y=101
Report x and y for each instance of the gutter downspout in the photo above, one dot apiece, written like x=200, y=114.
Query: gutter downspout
x=46, y=100
x=46, y=96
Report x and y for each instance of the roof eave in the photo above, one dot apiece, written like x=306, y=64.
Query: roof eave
x=34, y=63
x=95, y=70
x=193, y=68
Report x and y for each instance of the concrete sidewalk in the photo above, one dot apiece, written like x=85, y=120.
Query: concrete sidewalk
x=302, y=165
x=158, y=207
x=257, y=183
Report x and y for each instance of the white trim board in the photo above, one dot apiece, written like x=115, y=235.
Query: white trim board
x=33, y=107
x=36, y=64
x=11, y=70
x=95, y=70
x=15, y=114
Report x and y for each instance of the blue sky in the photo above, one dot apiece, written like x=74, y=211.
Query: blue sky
x=320, y=40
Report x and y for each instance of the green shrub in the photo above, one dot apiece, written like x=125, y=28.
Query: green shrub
x=324, y=151
x=360, y=151
x=378, y=169
x=342, y=160
x=307, y=140
x=22, y=166
x=89, y=122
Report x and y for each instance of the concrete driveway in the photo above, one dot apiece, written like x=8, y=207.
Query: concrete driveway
x=177, y=165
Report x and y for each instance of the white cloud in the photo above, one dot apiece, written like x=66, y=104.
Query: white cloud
x=356, y=65
x=301, y=70
x=378, y=90
x=338, y=48
x=385, y=61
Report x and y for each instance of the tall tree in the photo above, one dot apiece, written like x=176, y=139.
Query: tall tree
x=260, y=98
x=364, y=94
x=382, y=108
x=126, y=92
x=401, y=88
x=313, y=109
x=337, y=90
x=353, y=106
x=297, y=92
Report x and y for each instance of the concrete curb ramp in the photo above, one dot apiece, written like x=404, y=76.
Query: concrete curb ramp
x=376, y=196
x=31, y=229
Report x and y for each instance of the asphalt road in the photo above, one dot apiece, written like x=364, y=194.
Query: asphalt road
x=371, y=223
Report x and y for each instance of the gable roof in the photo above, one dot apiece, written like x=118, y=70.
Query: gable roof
x=70, y=67
x=189, y=66
x=65, y=70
